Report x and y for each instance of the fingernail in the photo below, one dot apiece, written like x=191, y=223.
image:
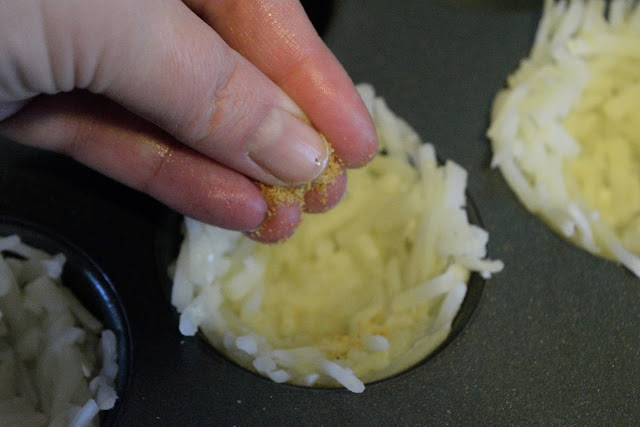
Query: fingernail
x=288, y=149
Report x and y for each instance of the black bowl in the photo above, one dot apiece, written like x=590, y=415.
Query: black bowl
x=89, y=284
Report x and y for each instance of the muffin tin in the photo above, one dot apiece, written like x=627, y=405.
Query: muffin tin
x=553, y=339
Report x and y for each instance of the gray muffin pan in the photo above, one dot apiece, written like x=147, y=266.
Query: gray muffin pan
x=553, y=339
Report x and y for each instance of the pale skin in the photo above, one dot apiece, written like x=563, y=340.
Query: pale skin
x=189, y=101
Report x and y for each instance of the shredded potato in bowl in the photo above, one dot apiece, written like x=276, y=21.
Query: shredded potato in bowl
x=58, y=364
x=566, y=131
x=358, y=293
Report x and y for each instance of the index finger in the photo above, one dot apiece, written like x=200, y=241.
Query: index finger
x=278, y=38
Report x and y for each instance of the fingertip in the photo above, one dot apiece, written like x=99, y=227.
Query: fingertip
x=357, y=144
x=280, y=224
x=321, y=199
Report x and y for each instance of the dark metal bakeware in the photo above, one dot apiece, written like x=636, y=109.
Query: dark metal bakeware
x=554, y=338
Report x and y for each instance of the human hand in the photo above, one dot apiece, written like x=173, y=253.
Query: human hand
x=190, y=102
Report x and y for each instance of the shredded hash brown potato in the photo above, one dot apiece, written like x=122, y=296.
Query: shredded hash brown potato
x=57, y=363
x=566, y=131
x=359, y=293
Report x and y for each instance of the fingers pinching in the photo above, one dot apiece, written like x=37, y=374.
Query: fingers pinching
x=286, y=204
x=278, y=39
x=285, y=207
x=233, y=94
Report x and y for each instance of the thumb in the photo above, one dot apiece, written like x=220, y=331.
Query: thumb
x=162, y=62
